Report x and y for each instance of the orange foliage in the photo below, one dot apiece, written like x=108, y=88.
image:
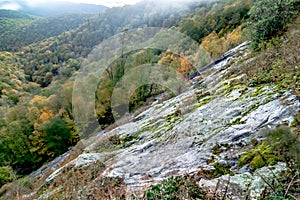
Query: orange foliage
x=46, y=113
x=185, y=66
x=182, y=65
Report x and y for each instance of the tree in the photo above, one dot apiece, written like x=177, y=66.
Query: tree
x=51, y=139
x=58, y=137
x=269, y=18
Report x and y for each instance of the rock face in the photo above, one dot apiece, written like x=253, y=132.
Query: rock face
x=253, y=184
x=213, y=120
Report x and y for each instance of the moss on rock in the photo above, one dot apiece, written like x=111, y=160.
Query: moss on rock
x=261, y=155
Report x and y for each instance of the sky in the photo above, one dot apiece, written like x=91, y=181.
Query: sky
x=108, y=3
x=13, y=5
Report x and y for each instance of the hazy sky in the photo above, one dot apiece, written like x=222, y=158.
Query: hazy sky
x=109, y=3
x=12, y=4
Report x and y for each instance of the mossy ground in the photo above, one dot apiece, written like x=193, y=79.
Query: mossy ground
x=261, y=155
x=176, y=188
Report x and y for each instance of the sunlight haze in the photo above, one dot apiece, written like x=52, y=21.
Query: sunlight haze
x=107, y=3
x=13, y=5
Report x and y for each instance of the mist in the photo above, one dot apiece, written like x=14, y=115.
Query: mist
x=18, y=4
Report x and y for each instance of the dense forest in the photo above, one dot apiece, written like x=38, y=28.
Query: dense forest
x=46, y=9
x=40, y=58
x=20, y=30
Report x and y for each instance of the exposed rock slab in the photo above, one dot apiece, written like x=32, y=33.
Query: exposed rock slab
x=159, y=142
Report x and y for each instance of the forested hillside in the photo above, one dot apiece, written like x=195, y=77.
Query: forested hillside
x=20, y=30
x=41, y=56
x=12, y=21
x=50, y=8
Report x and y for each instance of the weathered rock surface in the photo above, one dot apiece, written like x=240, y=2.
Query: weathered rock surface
x=162, y=142
x=251, y=184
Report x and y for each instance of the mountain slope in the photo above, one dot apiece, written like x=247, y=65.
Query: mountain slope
x=45, y=9
x=182, y=117
x=20, y=30
x=11, y=21
x=203, y=131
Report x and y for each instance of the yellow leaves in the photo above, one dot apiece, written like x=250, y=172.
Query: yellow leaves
x=216, y=46
x=41, y=102
x=37, y=100
x=46, y=113
x=165, y=60
x=234, y=38
x=38, y=142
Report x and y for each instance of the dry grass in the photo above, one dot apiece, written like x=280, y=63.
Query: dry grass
x=278, y=63
x=85, y=183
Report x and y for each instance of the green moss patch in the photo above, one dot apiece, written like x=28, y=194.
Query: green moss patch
x=261, y=155
x=220, y=169
x=237, y=121
x=205, y=101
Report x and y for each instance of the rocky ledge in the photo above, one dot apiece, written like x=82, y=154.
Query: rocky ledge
x=207, y=127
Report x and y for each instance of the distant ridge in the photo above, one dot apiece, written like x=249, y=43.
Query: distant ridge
x=55, y=8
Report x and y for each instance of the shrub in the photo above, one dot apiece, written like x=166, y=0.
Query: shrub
x=6, y=175
x=281, y=144
x=180, y=187
x=285, y=144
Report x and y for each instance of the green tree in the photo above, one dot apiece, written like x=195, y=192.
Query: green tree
x=269, y=18
x=15, y=147
x=58, y=137
x=51, y=139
